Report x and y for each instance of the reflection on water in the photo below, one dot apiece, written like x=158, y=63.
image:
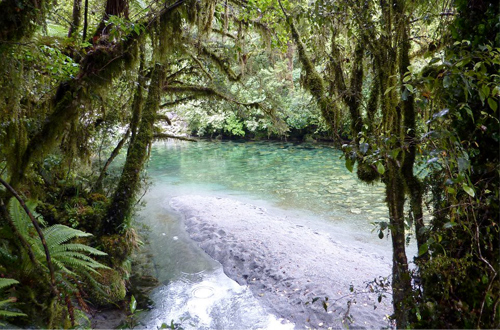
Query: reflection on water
x=309, y=177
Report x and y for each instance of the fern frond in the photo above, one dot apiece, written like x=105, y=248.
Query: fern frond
x=6, y=256
x=5, y=282
x=58, y=234
x=80, y=261
x=63, y=282
x=19, y=218
x=77, y=247
x=5, y=313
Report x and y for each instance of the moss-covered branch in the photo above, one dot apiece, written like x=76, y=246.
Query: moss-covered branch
x=313, y=82
x=164, y=118
x=123, y=199
x=221, y=63
x=177, y=102
x=207, y=91
x=101, y=64
x=116, y=151
x=164, y=136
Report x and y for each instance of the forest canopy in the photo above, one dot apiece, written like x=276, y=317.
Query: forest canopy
x=408, y=90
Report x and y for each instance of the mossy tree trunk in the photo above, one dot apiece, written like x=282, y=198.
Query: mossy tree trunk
x=398, y=123
x=121, y=206
x=401, y=281
x=76, y=18
x=413, y=184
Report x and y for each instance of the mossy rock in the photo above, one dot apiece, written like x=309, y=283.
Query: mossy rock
x=111, y=289
x=117, y=247
x=367, y=173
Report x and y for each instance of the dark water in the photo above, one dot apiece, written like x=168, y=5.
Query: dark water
x=308, y=179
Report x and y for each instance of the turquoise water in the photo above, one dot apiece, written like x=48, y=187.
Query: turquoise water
x=306, y=181
x=310, y=177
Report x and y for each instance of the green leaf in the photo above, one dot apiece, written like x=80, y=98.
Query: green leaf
x=410, y=88
x=469, y=190
x=388, y=90
x=493, y=104
x=449, y=225
x=423, y=249
x=363, y=147
x=380, y=168
x=133, y=305
x=446, y=81
x=486, y=90
x=349, y=164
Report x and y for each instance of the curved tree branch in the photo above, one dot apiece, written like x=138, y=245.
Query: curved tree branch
x=40, y=234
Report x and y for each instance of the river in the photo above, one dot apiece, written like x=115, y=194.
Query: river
x=306, y=183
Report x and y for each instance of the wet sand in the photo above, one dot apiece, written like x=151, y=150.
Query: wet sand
x=287, y=265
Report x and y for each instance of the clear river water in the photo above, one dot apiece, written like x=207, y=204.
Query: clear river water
x=308, y=181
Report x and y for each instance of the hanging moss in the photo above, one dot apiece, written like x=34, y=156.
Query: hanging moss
x=18, y=19
x=367, y=173
x=372, y=106
x=313, y=80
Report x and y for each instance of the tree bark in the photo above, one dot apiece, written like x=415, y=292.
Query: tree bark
x=413, y=184
x=124, y=197
x=401, y=280
x=98, y=184
x=75, y=22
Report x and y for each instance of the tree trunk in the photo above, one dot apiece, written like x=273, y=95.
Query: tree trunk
x=85, y=20
x=121, y=206
x=413, y=184
x=401, y=281
x=98, y=184
x=113, y=8
x=75, y=22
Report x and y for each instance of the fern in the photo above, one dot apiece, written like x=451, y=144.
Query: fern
x=69, y=259
x=6, y=282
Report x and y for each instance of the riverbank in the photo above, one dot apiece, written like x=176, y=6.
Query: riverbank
x=287, y=265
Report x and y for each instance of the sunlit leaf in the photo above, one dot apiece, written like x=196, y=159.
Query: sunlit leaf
x=380, y=168
x=449, y=225
x=469, y=190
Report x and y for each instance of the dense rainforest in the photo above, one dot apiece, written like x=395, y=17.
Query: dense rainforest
x=408, y=90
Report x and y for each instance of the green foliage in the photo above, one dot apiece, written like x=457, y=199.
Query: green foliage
x=5, y=312
x=461, y=157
